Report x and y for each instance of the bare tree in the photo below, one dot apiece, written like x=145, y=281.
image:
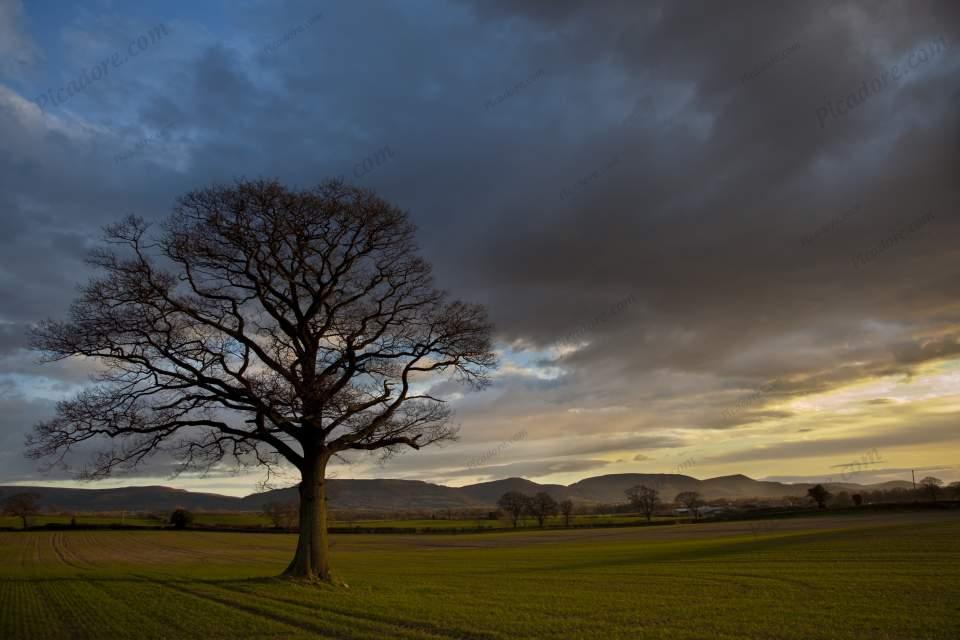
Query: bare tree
x=692, y=501
x=23, y=506
x=931, y=486
x=644, y=499
x=264, y=325
x=282, y=515
x=566, y=508
x=514, y=504
x=541, y=506
x=819, y=495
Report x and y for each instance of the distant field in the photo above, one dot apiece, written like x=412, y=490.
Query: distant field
x=259, y=520
x=222, y=519
x=39, y=521
x=486, y=523
x=858, y=577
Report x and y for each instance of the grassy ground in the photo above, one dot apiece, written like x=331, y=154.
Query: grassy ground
x=868, y=576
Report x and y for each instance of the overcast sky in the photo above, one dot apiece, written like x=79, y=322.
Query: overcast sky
x=715, y=237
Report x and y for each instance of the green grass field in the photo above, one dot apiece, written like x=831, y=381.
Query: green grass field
x=871, y=576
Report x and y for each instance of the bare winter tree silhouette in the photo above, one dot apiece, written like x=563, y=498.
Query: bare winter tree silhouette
x=262, y=324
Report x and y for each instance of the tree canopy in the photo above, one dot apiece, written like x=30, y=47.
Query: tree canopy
x=263, y=324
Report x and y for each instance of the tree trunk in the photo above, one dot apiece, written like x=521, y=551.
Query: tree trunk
x=312, y=559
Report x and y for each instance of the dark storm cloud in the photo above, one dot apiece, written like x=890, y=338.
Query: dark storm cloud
x=668, y=154
x=17, y=413
x=628, y=442
x=728, y=204
x=81, y=80
x=12, y=337
x=18, y=54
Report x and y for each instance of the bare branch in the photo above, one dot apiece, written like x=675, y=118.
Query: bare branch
x=261, y=325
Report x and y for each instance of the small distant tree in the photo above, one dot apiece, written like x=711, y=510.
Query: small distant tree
x=819, y=495
x=644, y=499
x=842, y=499
x=23, y=506
x=181, y=519
x=692, y=501
x=566, y=508
x=514, y=504
x=282, y=515
x=541, y=506
x=793, y=501
x=857, y=499
x=955, y=489
x=931, y=486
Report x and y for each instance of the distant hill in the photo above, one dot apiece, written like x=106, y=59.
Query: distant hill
x=374, y=494
x=610, y=488
x=387, y=495
x=153, y=498
x=487, y=493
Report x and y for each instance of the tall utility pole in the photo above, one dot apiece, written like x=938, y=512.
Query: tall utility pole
x=914, y=474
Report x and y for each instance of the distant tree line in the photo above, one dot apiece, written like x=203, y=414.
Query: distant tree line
x=929, y=489
x=516, y=506
x=647, y=502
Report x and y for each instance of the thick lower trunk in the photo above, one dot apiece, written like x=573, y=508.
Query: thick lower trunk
x=312, y=558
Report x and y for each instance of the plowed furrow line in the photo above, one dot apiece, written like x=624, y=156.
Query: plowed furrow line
x=59, y=547
x=297, y=625
x=429, y=629
x=69, y=544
